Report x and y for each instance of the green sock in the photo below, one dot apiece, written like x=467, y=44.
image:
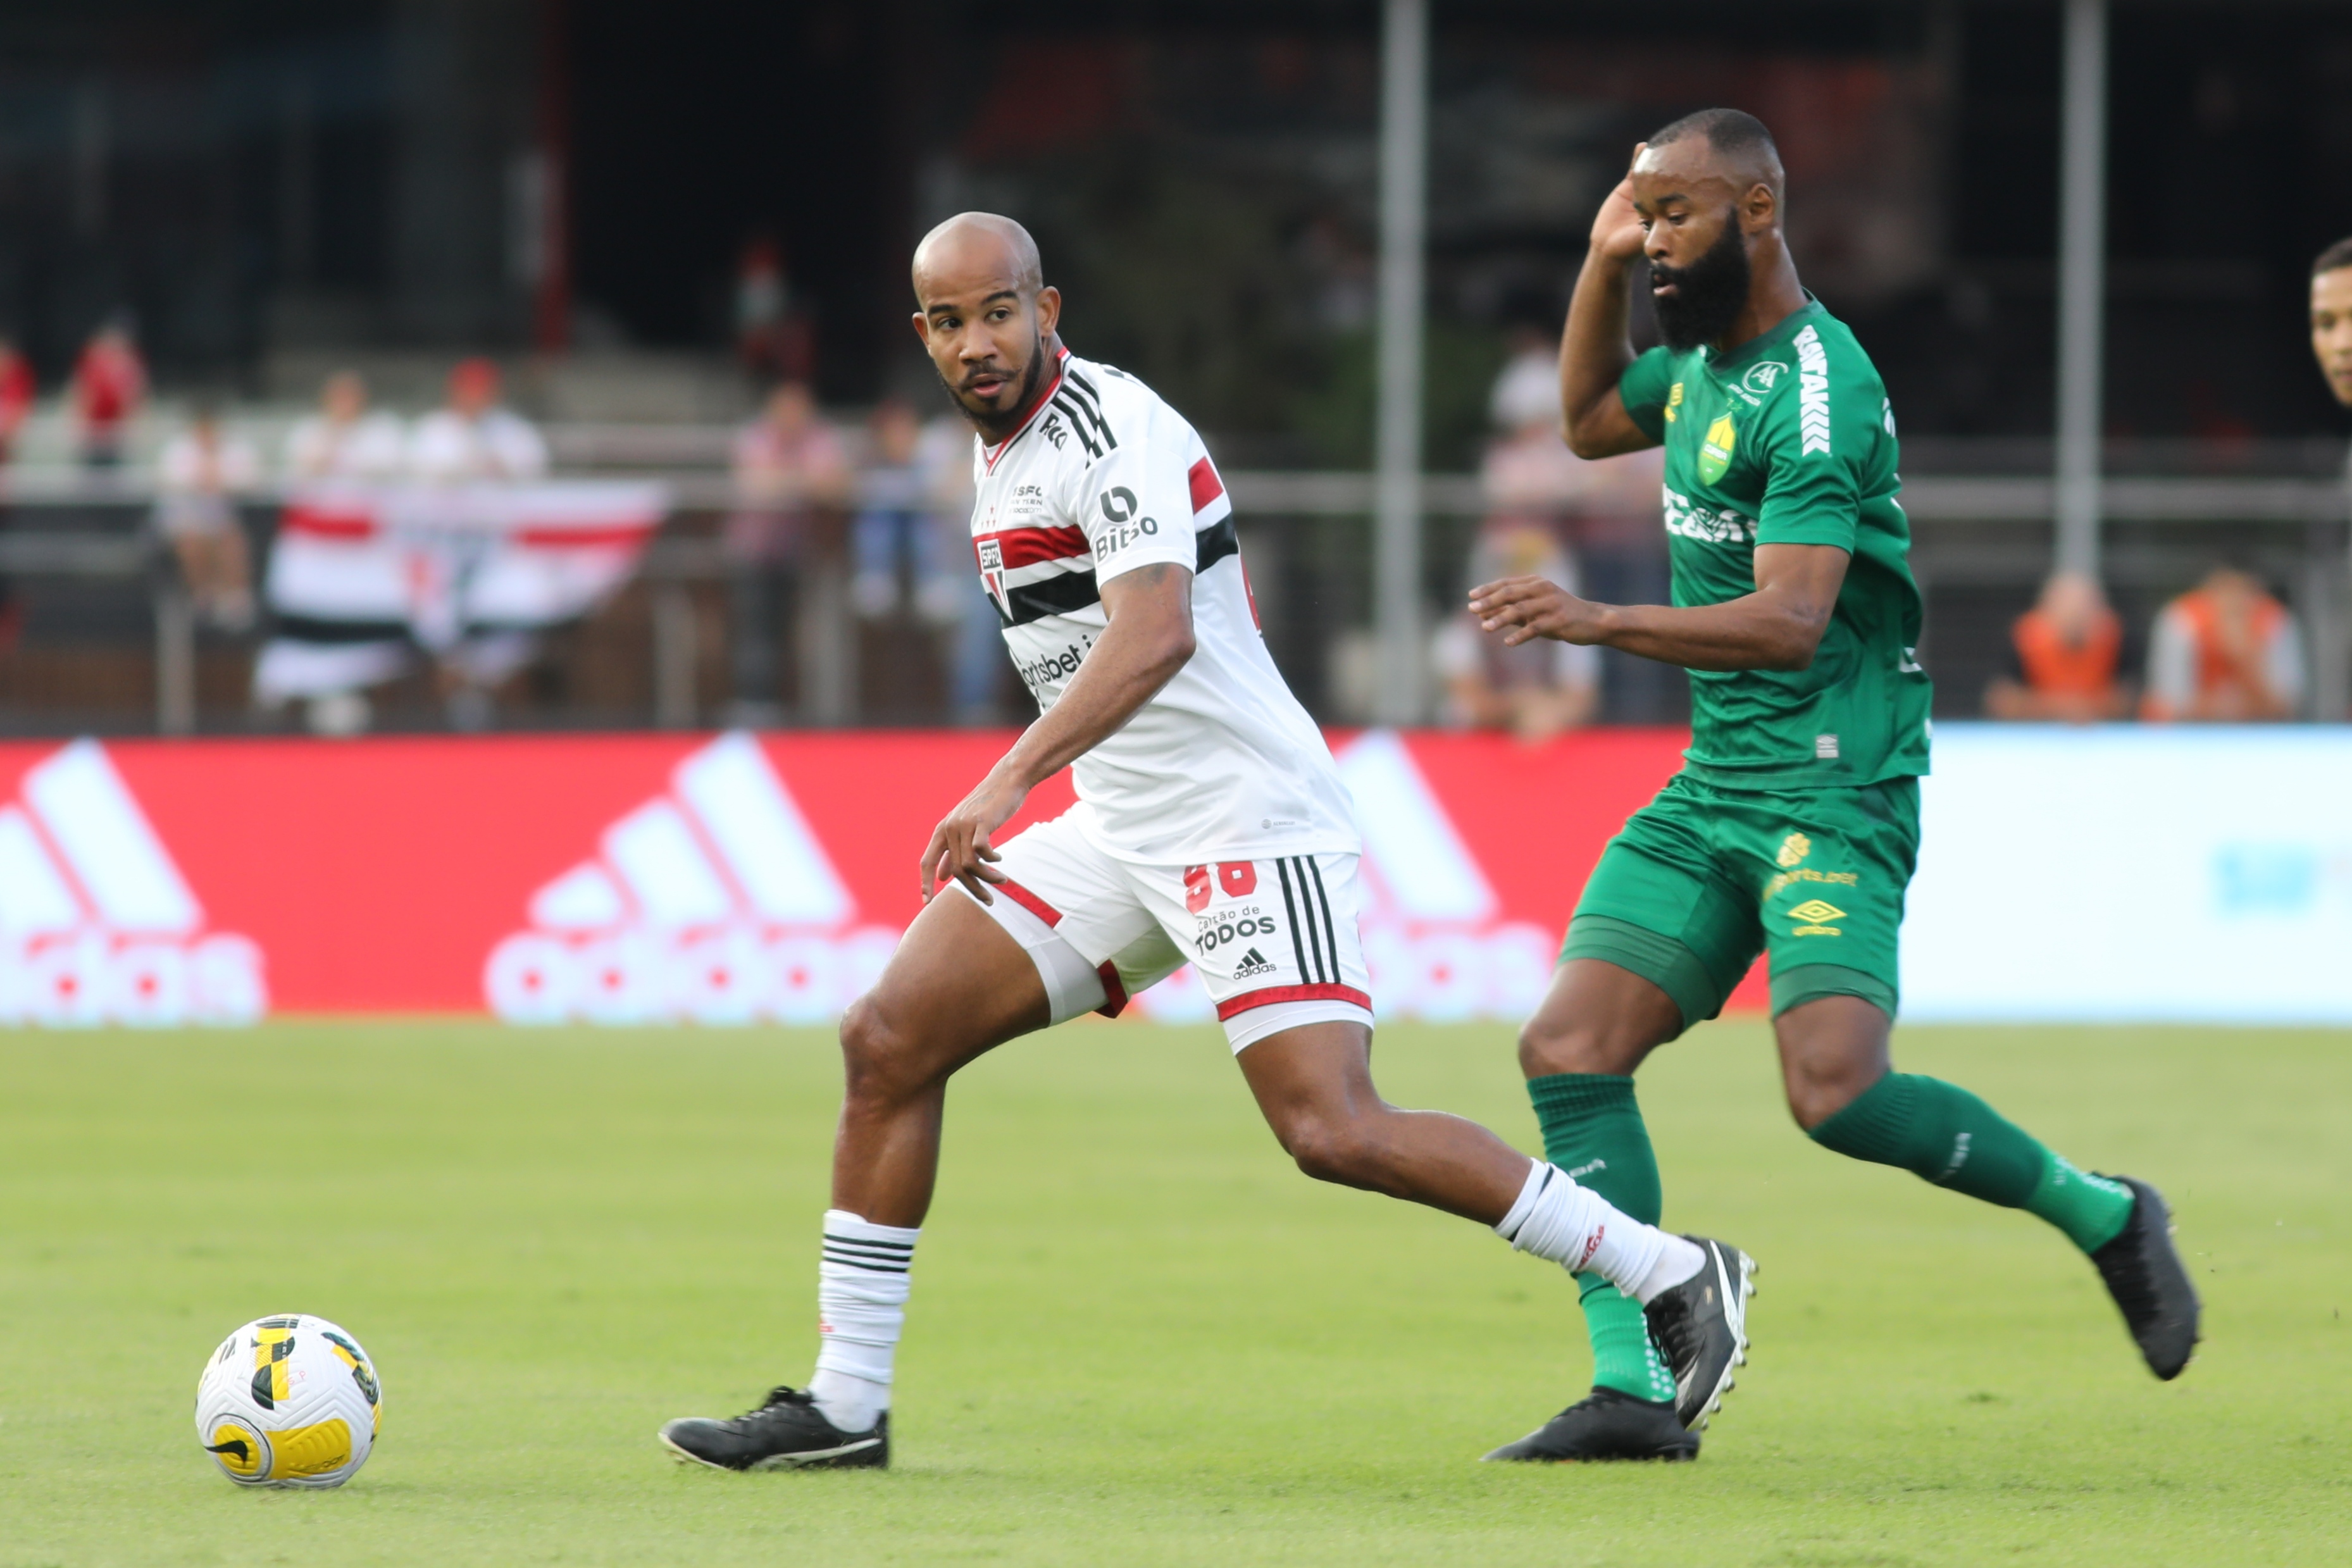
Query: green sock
x=1942, y=1134
x=1592, y=1129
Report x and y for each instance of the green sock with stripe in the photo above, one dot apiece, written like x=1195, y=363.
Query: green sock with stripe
x=1942, y=1134
x=1592, y=1129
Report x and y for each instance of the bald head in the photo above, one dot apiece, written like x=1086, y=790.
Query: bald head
x=986, y=317
x=973, y=247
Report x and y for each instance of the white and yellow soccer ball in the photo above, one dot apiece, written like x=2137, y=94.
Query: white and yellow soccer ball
x=289, y=1401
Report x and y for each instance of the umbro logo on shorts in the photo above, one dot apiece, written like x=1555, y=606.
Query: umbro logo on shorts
x=1252, y=964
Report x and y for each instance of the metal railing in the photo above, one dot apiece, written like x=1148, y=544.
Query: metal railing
x=1974, y=528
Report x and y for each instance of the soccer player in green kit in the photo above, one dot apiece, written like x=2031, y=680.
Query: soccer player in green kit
x=1794, y=825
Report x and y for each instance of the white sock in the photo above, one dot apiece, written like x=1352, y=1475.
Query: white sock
x=1575, y=1227
x=861, y=1303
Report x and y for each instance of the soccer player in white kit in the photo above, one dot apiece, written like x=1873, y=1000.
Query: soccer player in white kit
x=1212, y=829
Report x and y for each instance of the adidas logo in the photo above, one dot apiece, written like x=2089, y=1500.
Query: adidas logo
x=96, y=925
x=1252, y=963
x=713, y=902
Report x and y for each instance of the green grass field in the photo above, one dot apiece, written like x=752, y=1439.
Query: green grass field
x=1137, y=1336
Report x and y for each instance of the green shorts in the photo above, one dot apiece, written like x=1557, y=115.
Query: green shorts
x=1701, y=879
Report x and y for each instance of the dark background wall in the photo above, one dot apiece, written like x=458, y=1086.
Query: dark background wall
x=248, y=176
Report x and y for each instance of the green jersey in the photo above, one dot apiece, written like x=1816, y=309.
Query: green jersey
x=1789, y=439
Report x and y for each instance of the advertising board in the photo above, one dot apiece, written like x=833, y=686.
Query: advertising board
x=644, y=879
x=2109, y=874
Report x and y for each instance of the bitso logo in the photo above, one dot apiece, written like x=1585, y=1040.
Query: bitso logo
x=96, y=925
x=712, y=901
x=1793, y=849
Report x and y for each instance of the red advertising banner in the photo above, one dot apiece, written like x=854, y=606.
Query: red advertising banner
x=650, y=877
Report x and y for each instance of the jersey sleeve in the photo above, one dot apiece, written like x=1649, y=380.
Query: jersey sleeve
x=1644, y=386
x=1135, y=501
x=1820, y=434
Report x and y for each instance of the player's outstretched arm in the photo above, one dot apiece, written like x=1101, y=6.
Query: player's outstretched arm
x=1777, y=626
x=1149, y=638
x=1595, y=347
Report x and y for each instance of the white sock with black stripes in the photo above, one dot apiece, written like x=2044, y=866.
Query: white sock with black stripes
x=861, y=1304
x=1577, y=1228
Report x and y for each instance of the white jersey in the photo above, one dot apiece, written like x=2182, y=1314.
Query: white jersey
x=372, y=447
x=1222, y=763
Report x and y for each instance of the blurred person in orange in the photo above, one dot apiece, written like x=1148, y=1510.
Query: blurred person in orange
x=789, y=465
x=473, y=436
x=2065, y=653
x=110, y=387
x=199, y=478
x=16, y=392
x=345, y=439
x=1537, y=690
x=2225, y=651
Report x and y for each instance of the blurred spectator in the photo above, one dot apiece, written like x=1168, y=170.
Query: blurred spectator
x=1537, y=690
x=472, y=437
x=1527, y=392
x=202, y=472
x=16, y=402
x=977, y=665
x=2331, y=318
x=16, y=390
x=897, y=526
x=772, y=335
x=2065, y=653
x=110, y=386
x=2225, y=650
x=343, y=440
x=788, y=464
x=1598, y=520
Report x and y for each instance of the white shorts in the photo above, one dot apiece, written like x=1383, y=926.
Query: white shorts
x=1273, y=941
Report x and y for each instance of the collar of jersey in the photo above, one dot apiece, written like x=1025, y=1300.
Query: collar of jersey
x=1782, y=331
x=988, y=454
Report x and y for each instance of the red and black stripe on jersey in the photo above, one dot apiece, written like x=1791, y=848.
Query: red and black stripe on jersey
x=1073, y=587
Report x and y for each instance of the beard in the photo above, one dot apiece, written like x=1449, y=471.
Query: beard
x=1708, y=294
x=993, y=423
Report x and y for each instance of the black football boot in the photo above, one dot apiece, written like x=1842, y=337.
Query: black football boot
x=2144, y=1275
x=787, y=1432
x=1607, y=1425
x=1700, y=1325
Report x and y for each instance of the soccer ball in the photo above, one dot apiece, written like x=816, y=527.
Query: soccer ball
x=288, y=1402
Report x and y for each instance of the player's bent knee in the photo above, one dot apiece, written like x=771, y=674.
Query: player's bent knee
x=875, y=1057
x=1579, y=1045
x=1339, y=1149
x=1816, y=1094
